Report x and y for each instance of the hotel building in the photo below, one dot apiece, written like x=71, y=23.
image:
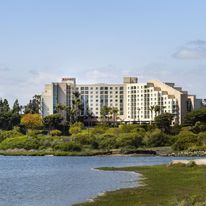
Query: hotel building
x=134, y=100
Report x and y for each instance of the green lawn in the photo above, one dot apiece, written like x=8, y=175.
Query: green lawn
x=161, y=185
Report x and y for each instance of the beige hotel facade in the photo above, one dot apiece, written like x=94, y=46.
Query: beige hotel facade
x=134, y=100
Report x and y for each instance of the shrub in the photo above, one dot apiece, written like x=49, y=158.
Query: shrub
x=35, y=132
x=76, y=128
x=113, y=131
x=55, y=132
x=131, y=140
x=83, y=137
x=100, y=129
x=69, y=146
x=47, y=141
x=21, y=142
x=199, y=127
x=156, y=138
x=190, y=201
x=197, y=148
x=175, y=130
x=8, y=134
x=94, y=143
x=188, y=128
x=185, y=140
x=129, y=127
x=106, y=141
x=202, y=138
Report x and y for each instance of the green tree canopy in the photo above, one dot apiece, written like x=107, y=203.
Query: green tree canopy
x=16, y=107
x=195, y=116
x=8, y=117
x=52, y=121
x=34, y=105
x=164, y=121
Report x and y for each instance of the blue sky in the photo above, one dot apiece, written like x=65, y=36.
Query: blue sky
x=100, y=41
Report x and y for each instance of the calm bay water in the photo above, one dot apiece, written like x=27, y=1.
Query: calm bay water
x=63, y=181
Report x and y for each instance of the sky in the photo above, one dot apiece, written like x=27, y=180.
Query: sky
x=96, y=41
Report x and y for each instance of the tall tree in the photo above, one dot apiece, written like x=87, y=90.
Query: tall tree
x=66, y=112
x=195, y=116
x=105, y=111
x=8, y=117
x=152, y=108
x=16, y=107
x=53, y=121
x=1, y=105
x=34, y=105
x=164, y=121
x=157, y=110
x=114, y=112
x=76, y=107
x=5, y=106
x=138, y=111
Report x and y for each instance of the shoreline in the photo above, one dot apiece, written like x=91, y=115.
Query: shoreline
x=23, y=152
x=153, y=189
x=138, y=152
x=103, y=193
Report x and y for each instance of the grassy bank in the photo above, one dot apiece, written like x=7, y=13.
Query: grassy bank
x=23, y=152
x=86, y=151
x=161, y=185
x=83, y=152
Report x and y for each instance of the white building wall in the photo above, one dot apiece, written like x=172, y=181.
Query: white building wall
x=94, y=96
x=133, y=100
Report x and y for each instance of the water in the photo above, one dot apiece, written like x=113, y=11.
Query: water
x=63, y=181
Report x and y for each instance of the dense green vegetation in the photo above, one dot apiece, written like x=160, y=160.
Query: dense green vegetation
x=160, y=186
x=66, y=131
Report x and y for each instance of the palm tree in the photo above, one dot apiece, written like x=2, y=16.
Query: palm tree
x=105, y=111
x=114, y=112
x=138, y=109
x=152, y=108
x=157, y=109
x=162, y=109
x=89, y=116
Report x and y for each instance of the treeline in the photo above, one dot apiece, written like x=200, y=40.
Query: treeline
x=22, y=127
x=11, y=117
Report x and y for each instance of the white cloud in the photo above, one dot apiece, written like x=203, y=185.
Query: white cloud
x=191, y=51
x=107, y=74
x=24, y=87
